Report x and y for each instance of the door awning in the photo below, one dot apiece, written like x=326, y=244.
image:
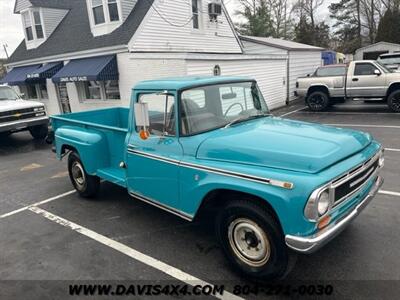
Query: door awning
x=46, y=71
x=89, y=69
x=19, y=75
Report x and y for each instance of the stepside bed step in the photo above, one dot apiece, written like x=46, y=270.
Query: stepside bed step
x=114, y=175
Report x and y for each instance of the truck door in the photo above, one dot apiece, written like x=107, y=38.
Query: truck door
x=364, y=82
x=153, y=164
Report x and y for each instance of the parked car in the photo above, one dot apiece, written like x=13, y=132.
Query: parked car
x=365, y=80
x=390, y=61
x=190, y=145
x=17, y=114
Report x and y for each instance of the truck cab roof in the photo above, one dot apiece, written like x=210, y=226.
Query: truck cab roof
x=181, y=83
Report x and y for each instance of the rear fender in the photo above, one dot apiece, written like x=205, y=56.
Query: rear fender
x=90, y=144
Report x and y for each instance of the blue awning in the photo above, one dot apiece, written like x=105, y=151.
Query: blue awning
x=18, y=75
x=46, y=71
x=89, y=69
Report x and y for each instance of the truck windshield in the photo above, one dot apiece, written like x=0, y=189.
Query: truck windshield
x=384, y=68
x=389, y=60
x=215, y=106
x=7, y=93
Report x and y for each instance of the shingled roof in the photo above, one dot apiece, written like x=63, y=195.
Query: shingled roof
x=73, y=34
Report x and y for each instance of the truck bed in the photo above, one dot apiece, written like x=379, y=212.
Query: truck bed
x=111, y=125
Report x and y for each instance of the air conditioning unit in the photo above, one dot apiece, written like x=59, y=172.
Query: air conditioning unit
x=214, y=10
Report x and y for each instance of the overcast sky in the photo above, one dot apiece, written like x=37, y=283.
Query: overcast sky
x=11, y=32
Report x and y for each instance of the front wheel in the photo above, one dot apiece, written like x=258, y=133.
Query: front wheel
x=318, y=101
x=39, y=132
x=86, y=185
x=394, y=101
x=252, y=240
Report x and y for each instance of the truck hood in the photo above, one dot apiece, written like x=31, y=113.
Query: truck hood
x=283, y=144
x=7, y=105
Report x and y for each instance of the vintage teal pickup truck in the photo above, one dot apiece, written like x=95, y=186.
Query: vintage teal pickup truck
x=190, y=145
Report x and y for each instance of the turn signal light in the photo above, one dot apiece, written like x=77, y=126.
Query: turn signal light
x=144, y=134
x=324, y=222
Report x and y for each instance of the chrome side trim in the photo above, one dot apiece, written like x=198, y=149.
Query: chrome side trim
x=286, y=185
x=164, y=207
x=310, y=244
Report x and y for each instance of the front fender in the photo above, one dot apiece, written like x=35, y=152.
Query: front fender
x=90, y=144
x=287, y=204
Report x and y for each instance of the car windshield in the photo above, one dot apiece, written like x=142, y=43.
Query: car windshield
x=216, y=106
x=7, y=93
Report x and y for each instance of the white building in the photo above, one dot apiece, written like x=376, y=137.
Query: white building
x=86, y=54
x=373, y=51
x=302, y=59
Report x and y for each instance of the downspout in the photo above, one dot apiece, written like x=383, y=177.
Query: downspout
x=288, y=78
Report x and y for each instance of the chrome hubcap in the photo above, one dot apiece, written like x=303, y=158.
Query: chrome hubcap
x=78, y=174
x=249, y=242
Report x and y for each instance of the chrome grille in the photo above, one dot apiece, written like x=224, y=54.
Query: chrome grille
x=351, y=182
x=21, y=114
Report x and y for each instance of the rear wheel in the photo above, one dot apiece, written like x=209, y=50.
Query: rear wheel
x=86, y=185
x=252, y=240
x=39, y=132
x=394, y=101
x=318, y=101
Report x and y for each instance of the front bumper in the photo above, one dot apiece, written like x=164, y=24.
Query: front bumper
x=23, y=124
x=310, y=244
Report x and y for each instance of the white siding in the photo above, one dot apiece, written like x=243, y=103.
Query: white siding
x=376, y=47
x=21, y=4
x=269, y=73
x=256, y=48
x=301, y=63
x=126, y=7
x=156, y=34
x=52, y=18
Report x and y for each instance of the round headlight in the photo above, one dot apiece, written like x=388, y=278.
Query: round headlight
x=323, y=203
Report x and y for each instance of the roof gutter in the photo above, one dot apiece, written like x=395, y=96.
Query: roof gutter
x=71, y=55
x=279, y=46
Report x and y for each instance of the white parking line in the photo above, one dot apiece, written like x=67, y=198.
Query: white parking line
x=143, y=258
x=345, y=113
x=392, y=149
x=389, y=193
x=36, y=204
x=364, y=125
x=293, y=112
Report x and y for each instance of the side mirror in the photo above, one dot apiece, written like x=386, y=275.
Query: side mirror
x=377, y=72
x=308, y=75
x=142, y=119
x=22, y=95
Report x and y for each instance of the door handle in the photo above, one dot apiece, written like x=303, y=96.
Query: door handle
x=355, y=79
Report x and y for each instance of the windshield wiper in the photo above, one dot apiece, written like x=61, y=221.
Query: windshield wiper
x=247, y=118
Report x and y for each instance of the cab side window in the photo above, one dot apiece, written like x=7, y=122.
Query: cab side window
x=158, y=103
x=364, y=69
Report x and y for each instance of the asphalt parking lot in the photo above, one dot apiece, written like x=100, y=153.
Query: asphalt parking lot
x=48, y=233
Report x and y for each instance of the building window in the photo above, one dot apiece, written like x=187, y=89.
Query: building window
x=43, y=91
x=100, y=90
x=196, y=14
x=92, y=90
x=113, y=10
x=28, y=26
x=98, y=12
x=34, y=91
x=38, y=25
x=111, y=89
